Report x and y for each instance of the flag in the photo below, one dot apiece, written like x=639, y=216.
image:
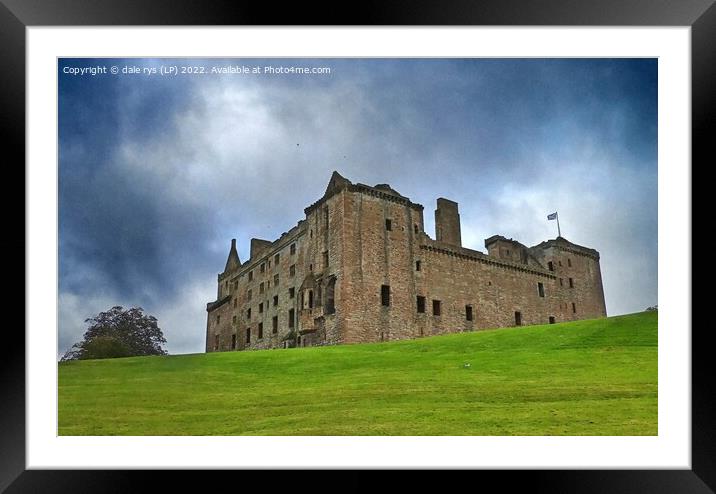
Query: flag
x=552, y=216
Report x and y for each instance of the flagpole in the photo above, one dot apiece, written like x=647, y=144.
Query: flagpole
x=559, y=232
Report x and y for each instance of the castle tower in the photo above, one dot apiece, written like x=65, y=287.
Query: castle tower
x=447, y=222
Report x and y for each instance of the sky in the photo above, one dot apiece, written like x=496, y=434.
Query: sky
x=158, y=170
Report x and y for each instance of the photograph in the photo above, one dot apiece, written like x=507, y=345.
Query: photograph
x=363, y=246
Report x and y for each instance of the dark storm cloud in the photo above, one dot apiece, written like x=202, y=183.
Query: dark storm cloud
x=158, y=174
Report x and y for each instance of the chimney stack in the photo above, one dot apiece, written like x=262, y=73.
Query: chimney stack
x=447, y=222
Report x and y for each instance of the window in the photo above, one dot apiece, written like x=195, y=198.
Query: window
x=569, y=262
x=291, y=316
x=261, y=287
x=276, y=258
x=275, y=280
x=330, y=296
x=275, y=300
x=233, y=320
x=274, y=325
x=518, y=318
x=269, y=263
x=236, y=285
x=325, y=259
x=310, y=299
x=559, y=262
x=261, y=307
x=385, y=295
x=233, y=342
x=292, y=270
x=388, y=225
x=235, y=299
x=291, y=292
x=415, y=228
x=417, y=265
x=571, y=283
x=551, y=319
x=325, y=217
x=261, y=330
x=293, y=249
x=550, y=265
x=248, y=335
x=248, y=295
x=218, y=320
x=310, y=267
x=268, y=285
x=436, y=307
x=468, y=312
x=251, y=275
x=574, y=308
x=540, y=289
x=561, y=282
x=263, y=267
x=421, y=304
x=216, y=342
x=310, y=234
x=248, y=313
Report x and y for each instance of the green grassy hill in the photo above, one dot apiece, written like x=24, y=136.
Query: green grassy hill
x=596, y=377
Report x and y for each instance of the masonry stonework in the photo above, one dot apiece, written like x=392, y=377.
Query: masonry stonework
x=360, y=268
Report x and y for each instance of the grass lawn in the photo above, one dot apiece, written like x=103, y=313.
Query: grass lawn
x=596, y=377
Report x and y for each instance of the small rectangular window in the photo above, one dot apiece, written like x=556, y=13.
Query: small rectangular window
x=235, y=300
x=468, y=312
x=216, y=342
x=421, y=304
x=388, y=225
x=261, y=330
x=417, y=265
x=574, y=308
x=233, y=319
x=248, y=335
x=415, y=228
x=261, y=287
x=569, y=262
x=291, y=316
x=291, y=292
x=274, y=325
x=571, y=283
x=269, y=263
x=248, y=313
x=518, y=318
x=233, y=342
x=276, y=258
x=551, y=319
x=261, y=307
x=251, y=275
x=540, y=289
x=275, y=300
x=325, y=259
x=436, y=307
x=550, y=265
x=263, y=267
x=275, y=280
x=292, y=270
x=268, y=285
x=218, y=319
x=385, y=295
x=293, y=249
x=248, y=295
x=561, y=282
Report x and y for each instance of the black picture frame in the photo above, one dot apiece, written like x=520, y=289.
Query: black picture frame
x=700, y=15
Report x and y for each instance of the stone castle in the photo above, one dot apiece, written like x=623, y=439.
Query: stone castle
x=360, y=268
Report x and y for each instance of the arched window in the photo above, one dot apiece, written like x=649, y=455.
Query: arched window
x=330, y=295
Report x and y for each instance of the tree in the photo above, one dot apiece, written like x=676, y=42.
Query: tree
x=119, y=333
